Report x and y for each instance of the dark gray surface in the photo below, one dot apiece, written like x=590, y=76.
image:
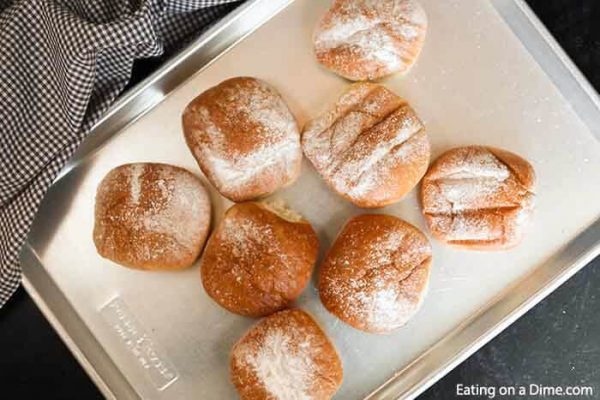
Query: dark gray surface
x=557, y=343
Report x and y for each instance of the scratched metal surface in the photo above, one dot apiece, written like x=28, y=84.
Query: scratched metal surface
x=474, y=83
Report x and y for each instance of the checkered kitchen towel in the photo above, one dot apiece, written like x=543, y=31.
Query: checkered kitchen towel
x=62, y=63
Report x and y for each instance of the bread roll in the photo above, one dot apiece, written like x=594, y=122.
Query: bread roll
x=366, y=40
x=376, y=273
x=478, y=197
x=370, y=147
x=244, y=138
x=259, y=259
x=286, y=356
x=151, y=216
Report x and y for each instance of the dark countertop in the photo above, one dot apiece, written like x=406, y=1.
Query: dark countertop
x=557, y=343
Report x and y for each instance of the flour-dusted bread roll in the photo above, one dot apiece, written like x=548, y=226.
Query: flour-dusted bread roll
x=366, y=39
x=151, y=216
x=259, y=259
x=376, y=273
x=244, y=138
x=370, y=147
x=478, y=197
x=286, y=356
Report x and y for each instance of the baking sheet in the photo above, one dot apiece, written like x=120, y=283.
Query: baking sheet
x=474, y=83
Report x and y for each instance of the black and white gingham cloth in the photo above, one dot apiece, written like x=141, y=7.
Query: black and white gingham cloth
x=62, y=63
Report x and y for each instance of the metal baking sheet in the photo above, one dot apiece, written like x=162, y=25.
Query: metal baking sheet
x=489, y=74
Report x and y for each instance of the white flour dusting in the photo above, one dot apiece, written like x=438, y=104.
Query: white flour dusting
x=387, y=288
x=245, y=235
x=286, y=373
x=169, y=220
x=477, y=165
x=378, y=36
x=231, y=173
x=136, y=171
x=256, y=136
x=360, y=177
x=468, y=227
x=178, y=208
x=369, y=133
x=471, y=195
x=466, y=194
x=286, y=356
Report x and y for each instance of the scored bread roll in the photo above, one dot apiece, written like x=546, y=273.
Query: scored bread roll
x=366, y=40
x=370, y=147
x=478, y=197
x=259, y=259
x=151, y=216
x=244, y=138
x=375, y=275
x=286, y=356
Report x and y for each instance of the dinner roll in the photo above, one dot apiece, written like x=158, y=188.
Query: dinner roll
x=244, y=138
x=478, y=197
x=286, y=356
x=376, y=273
x=151, y=216
x=370, y=147
x=366, y=40
x=259, y=259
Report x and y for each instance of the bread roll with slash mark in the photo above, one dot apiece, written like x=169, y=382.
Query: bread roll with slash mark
x=370, y=147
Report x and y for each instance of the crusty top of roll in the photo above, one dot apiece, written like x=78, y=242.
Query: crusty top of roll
x=370, y=147
x=151, y=216
x=376, y=273
x=366, y=40
x=478, y=197
x=259, y=259
x=286, y=356
x=244, y=138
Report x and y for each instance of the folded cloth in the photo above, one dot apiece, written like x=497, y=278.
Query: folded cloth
x=62, y=63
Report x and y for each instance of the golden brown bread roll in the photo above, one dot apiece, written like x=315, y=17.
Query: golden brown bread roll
x=244, y=138
x=478, y=197
x=370, y=147
x=286, y=356
x=259, y=259
x=366, y=40
x=375, y=275
x=151, y=216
